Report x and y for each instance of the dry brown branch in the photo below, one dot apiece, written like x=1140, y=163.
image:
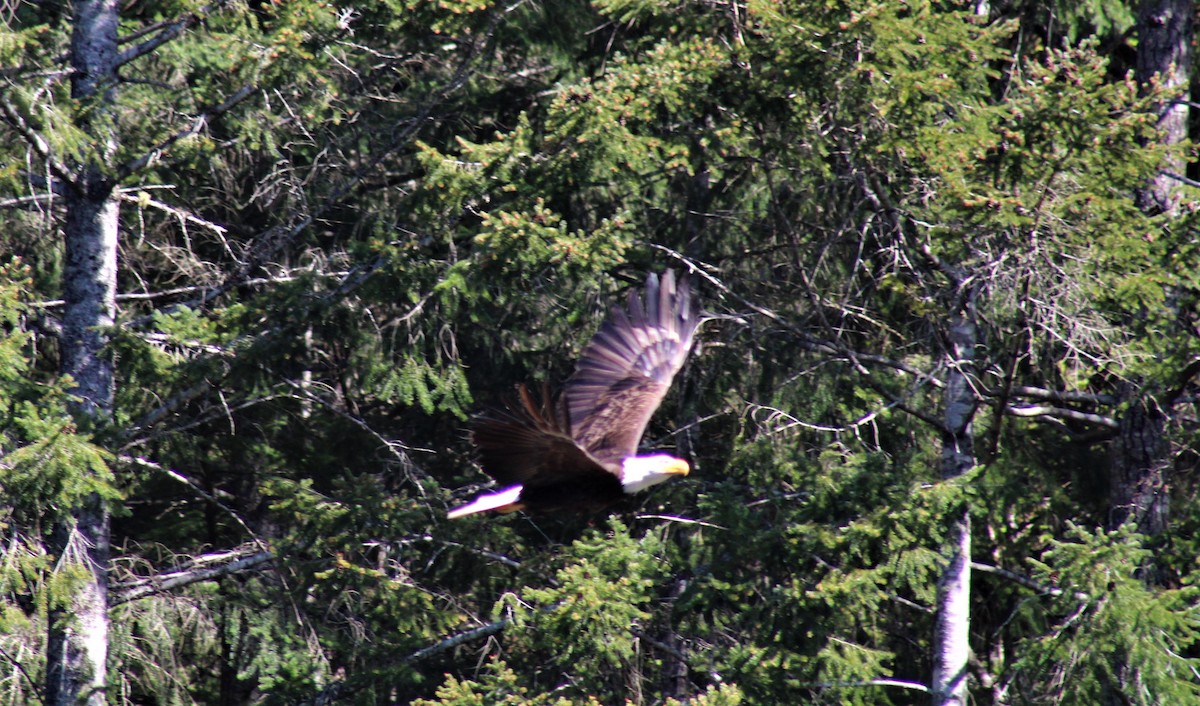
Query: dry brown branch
x=205, y=567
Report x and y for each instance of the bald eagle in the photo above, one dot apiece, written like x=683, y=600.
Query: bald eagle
x=579, y=452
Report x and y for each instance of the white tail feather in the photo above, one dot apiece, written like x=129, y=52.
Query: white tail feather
x=491, y=501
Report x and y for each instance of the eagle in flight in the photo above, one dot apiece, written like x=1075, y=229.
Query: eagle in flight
x=579, y=452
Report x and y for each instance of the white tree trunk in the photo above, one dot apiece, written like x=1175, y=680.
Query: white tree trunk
x=77, y=645
x=89, y=291
x=952, y=633
x=951, y=638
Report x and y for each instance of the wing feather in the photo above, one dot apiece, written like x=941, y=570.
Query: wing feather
x=530, y=444
x=627, y=368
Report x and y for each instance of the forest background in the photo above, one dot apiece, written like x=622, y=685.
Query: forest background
x=260, y=261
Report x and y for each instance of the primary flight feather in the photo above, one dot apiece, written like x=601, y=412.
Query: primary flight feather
x=579, y=452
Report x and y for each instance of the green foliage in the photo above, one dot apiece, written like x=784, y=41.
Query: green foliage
x=1108, y=631
x=590, y=616
x=540, y=239
x=418, y=204
x=499, y=685
x=46, y=465
x=1101, y=17
x=413, y=382
x=165, y=646
x=855, y=554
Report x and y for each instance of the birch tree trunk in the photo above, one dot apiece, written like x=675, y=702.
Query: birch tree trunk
x=952, y=632
x=77, y=646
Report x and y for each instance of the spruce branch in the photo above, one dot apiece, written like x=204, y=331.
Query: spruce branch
x=339, y=690
x=273, y=240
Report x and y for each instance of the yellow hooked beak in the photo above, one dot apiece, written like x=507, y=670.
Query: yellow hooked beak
x=677, y=467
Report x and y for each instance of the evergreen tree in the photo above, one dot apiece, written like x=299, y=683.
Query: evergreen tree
x=342, y=230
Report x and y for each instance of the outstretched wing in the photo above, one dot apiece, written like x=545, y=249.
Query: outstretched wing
x=627, y=367
x=530, y=444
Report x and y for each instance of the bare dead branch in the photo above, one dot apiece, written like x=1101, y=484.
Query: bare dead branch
x=1184, y=379
x=185, y=217
x=781, y=421
x=1179, y=177
x=679, y=520
x=456, y=640
x=244, y=404
x=398, y=449
x=173, y=403
x=36, y=142
x=34, y=687
x=1062, y=395
x=856, y=359
x=274, y=239
x=176, y=291
x=1027, y=582
x=205, y=567
x=195, y=488
x=913, y=686
x=31, y=200
x=198, y=124
x=661, y=647
x=1060, y=413
x=166, y=31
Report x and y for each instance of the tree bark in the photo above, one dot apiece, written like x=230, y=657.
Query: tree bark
x=952, y=631
x=1140, y=464
x=1139, y=459
x=1165, y=29
x=77, y=642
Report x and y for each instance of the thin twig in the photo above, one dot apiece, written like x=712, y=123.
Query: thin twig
x=33, y=685
x=198, y=124
x=166, y=32
x=681, y=520
x=36, y=142
x=209, y=497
